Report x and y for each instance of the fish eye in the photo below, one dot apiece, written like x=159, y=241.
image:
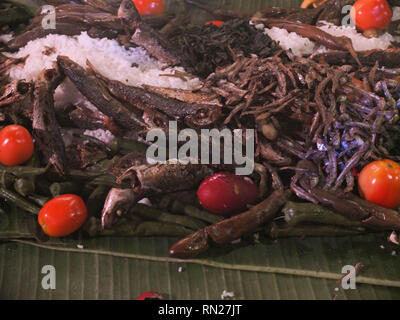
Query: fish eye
x=128, y=5
x=201, y=114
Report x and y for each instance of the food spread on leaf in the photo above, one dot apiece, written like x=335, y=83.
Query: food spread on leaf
x=320, y=91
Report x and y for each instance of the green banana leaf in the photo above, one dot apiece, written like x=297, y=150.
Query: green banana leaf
x=124, y=268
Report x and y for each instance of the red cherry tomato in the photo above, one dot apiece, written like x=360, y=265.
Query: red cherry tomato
x=379, y=183
x=371, y=14
x=215, y=23
x=151, y=295
x=226, y=193
x=150, y=7
x=62, y=215
x=16, y=145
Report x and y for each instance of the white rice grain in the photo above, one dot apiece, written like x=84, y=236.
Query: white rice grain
x=132, y=66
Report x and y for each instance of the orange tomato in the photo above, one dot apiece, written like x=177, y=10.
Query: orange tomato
x=379, y=183
x=62, y=215
x=371, y=14
x=150, y=7
x=16, y=145
x=215, y=23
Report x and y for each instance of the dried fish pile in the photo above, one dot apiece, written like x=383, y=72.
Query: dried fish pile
x=340, y=118
x=208, y=47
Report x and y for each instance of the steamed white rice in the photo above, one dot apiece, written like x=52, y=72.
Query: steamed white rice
x=133, y=66
x=301, y=46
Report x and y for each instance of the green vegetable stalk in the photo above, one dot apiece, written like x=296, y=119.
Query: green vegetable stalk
x=181, y=208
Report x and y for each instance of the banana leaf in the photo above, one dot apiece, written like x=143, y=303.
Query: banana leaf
x=125, y=267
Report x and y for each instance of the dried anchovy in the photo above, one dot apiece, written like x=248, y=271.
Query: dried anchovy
x=46, y=129
x=194, y=114
x=98, y=94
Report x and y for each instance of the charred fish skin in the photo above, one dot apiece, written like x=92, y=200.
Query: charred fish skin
x=195, y=115
x=46, y=130
x=98, y=95
x=155, y=45
x=145, y=36
x=38, y=32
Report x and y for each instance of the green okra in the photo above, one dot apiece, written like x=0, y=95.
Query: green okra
x=178, y=207
x=309, y=230
x=19, y=201
x=297, y=213
x=24, y=186
x=124, y=145
x=24, y=171
x=39, y=199
x=150, y=213
x=96, y=178
x=137, y=228
x=96, y=200
x=68, y=187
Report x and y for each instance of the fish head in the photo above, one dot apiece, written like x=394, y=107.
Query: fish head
x=117, y=204
x=205, y=115
x=128, y=11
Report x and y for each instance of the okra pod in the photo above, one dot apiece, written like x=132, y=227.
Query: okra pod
x=96, y=200
x=309, y=230
x=297, y=213
x=124, y=146
x=59, y=188
x=38, y=199
x=24, y=186
x=24, y=171
x=19, y=201
x=182, y=208
x=149, y=213
x=137, y=228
